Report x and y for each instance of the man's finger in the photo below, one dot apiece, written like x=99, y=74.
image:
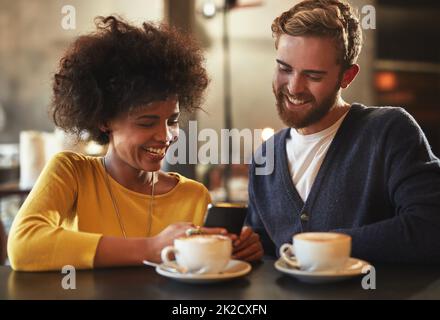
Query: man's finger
x=246, y=232
x=258, y=255
x=248, y=251
x=255, y=257
x=253, y=238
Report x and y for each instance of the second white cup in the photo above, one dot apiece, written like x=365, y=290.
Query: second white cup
x=317, y=251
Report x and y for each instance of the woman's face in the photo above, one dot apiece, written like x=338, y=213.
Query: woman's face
x=142, y=137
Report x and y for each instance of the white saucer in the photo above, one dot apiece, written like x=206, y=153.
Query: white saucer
x=234, y=269
x=353, y=268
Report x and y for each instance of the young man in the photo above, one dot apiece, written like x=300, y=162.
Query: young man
x=367, y=172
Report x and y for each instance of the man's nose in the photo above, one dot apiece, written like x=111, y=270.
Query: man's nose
x=296, y=84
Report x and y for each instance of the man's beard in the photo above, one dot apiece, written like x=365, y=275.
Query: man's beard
x=295, y=119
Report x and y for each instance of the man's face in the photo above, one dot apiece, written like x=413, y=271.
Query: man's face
x=307, y=79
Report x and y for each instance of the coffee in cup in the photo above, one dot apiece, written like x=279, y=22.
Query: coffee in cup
x=199, y=253
x=317, y=251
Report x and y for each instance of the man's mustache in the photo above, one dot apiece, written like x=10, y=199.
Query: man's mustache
x=285, y=92
x=304, y=97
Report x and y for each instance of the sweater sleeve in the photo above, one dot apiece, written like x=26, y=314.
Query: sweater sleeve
x=412, y=235
x=44, y=233
x=202, y=206
x=253, y=220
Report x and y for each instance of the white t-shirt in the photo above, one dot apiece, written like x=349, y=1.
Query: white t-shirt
x=305, y=154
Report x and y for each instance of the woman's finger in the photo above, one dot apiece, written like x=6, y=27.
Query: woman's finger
x=222, y=231
x=232, y=236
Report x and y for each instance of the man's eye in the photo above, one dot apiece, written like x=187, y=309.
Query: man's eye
x=283, y=69
x=315, y=78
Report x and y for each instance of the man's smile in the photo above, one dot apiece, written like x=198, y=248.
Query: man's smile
x=295, y=103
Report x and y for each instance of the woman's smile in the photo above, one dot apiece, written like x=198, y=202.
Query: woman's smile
x=155, y=153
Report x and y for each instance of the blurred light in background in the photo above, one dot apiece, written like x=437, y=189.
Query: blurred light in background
x=2, y=118
x=209, y=9
x=386, y=81
x=94, y=149
x=267, y=133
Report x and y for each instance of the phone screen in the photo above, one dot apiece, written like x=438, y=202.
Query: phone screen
x=226, y=215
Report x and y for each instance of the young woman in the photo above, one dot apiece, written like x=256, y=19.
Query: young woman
x=125, y=86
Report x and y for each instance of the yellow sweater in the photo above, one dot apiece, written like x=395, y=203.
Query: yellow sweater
x=70, y=208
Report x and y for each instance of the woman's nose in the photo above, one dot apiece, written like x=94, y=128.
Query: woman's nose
x=164, y=134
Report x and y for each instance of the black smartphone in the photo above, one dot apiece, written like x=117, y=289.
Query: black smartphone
x=226, y=215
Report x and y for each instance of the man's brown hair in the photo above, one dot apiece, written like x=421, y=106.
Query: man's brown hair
x=323, y=18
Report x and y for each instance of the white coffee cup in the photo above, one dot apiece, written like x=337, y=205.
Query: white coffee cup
x=199, y=253
x=317, y=251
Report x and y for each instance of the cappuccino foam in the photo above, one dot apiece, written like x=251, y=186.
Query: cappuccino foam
x=204, y=238
x=322, y=236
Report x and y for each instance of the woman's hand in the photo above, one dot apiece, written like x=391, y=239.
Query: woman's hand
x=248, y=246
x=166, y=238
x=177, y=230
x=221, y=231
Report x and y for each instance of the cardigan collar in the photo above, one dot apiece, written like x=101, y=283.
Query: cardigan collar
x=282, y=162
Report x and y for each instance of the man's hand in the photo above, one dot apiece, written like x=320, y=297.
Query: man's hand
x=248, y=246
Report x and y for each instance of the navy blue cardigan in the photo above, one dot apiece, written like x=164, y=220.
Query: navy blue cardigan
x=379, y=183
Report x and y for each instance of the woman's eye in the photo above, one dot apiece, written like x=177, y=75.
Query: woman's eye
x=173, y=123
x=146, y=125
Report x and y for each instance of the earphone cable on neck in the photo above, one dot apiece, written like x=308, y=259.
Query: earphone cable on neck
x=116, y=208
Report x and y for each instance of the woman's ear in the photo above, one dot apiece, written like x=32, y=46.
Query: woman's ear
x=104, y=128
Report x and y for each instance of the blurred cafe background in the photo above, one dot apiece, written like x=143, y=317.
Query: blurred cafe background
x=400, y=66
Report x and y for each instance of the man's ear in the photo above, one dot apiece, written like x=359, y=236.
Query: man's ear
x=349, y=75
